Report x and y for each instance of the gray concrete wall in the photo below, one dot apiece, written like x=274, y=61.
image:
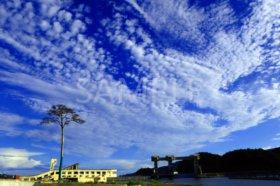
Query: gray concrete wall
x=15, y=183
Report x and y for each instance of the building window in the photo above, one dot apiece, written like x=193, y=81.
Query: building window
x=82, y=172
x=87, y=172
x=76, y=172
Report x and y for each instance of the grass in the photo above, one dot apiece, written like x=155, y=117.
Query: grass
x=78, y=184
x=130, y=183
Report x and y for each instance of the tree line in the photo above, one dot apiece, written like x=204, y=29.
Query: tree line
x=237, y=161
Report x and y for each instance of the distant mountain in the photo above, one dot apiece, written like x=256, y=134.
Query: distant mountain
x=237, y=161
x=142, y=172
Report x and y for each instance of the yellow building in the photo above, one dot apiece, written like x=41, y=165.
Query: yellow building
x=73, y=173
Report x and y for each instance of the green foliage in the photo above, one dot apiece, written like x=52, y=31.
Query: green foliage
x=149, y=183
x=61, y=115
x=76, y=184
x=155, y=183
x=133, y=183
x=251, y=160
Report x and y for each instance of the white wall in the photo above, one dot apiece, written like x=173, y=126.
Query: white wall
x=15, y=183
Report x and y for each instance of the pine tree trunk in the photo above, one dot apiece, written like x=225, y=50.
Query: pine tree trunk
x=61, y=153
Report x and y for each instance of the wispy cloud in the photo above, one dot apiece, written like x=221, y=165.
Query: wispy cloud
x=9, y=124
x=65, y=65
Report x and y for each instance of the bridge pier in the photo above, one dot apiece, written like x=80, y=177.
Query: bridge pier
x=197, y=167
x=155, y=159
x=170, y=167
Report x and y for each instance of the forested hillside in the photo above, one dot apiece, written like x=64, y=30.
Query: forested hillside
x=243, y=160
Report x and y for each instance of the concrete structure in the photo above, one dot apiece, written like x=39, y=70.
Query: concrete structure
x=170, y=159
x=73, y=173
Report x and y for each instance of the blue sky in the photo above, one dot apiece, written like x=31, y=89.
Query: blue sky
x=149, y=77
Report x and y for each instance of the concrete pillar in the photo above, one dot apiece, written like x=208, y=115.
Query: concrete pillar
x=170, y=167
x=197, y=167
x=155, y=159
x=155, y=166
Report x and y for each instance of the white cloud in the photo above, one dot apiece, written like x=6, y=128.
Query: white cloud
x=57, y=27
x=67, y=16
x=200, y=79
x=70, y=70
x=122, y=165
x=12, y=126
x=10, y=118
x=183, y=22
x=53, y=10
x=9, y=123
x=17, y=158
x=269, y=147
x=276, y=137
x=77, y=26
x=45, y=25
